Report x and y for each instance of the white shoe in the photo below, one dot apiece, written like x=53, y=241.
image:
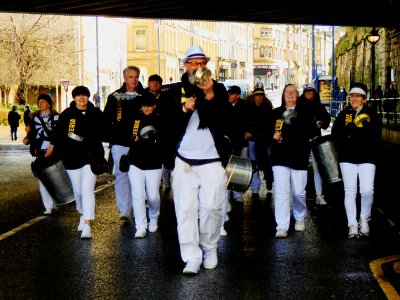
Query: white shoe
x=321, y=200
x=223, y=232
x=191, y=268
x=140, y=233
x=353, y=232
x=81, y=223
x=364, y=227
x=299, y=226
x=153, y=226
x=48, y=211
x=281, y=233
x=210, y=259
x=86, y=232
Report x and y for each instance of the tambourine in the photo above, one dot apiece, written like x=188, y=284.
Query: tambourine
x=201, y=74
x=360, y=119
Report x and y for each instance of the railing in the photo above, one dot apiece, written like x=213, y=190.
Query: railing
x=387, y=108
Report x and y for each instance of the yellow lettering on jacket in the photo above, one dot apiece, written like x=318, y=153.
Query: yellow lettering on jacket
x=349, y=118
x=278, y=128
x=71, y=127
x=136, y=127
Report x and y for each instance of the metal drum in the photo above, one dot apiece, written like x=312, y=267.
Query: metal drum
x=239, y=172
x=326, y=158
x=55, y=179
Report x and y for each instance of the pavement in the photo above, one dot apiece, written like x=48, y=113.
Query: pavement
x=5, y=135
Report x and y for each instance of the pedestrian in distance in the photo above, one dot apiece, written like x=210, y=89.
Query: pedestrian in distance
x=121, y=108
x=13, y=120
x=289, y=157
x=202, y=151
x=41, y=138
x=321, y=120
x=79, y=135
x=356, y=133
x=27, y=115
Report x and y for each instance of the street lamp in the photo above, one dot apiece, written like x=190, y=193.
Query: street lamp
x=373, y=37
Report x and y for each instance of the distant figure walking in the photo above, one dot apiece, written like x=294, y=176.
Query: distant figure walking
x=27, y=115
x=13, y=121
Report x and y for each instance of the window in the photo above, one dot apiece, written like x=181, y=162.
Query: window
x=265, y=32
x=140, y=40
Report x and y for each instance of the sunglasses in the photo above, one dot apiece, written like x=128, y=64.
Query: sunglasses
x=197, y=63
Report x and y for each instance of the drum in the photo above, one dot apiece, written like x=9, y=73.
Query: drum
x=326, y=158
x=55, y=179
x=239, y=172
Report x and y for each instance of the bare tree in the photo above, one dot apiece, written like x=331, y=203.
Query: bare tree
x=36, y=50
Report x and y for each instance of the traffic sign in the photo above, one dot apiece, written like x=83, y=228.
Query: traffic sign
x=65, y=83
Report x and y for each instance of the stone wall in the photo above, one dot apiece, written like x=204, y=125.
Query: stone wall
x=353, y=57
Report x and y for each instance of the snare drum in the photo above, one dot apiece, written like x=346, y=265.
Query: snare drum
x=326, y=158
x=239, y=172
x=56, y=180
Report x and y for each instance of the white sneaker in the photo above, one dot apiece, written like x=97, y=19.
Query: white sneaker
x=364, y=227
x=281, y=233
x=321, y=200
x=81, y=223
x=153, y=226
x=191, y=268
x=86, y=232
x=223, y=232
x=210, y=259
x=140, y=233
x=48, y=211
x=299, y=226
x=353, y=232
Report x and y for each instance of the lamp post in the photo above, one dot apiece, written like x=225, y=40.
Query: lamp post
x=373, y=37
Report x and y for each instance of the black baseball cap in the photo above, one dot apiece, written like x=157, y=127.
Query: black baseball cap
x=234, y=89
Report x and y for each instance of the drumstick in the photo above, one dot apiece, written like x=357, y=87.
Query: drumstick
x=230, y=176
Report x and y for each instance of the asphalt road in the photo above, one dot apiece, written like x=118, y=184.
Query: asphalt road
x=44, y=257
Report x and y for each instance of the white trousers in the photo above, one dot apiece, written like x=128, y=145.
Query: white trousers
x=366, y=175
x=46, y=198
x=122, y=186
x=145, y=184
x=288, y=181
x=317, y=176
x=198, y=195
x=83, y=182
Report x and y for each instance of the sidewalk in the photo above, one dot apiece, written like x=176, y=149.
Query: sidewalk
x=5, y=135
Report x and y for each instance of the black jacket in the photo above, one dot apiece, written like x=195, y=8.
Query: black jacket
x=357, y=144
x=120, y=111
x=90, y=126
x=215, y=114
x=317, y=112
x=293, y=150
